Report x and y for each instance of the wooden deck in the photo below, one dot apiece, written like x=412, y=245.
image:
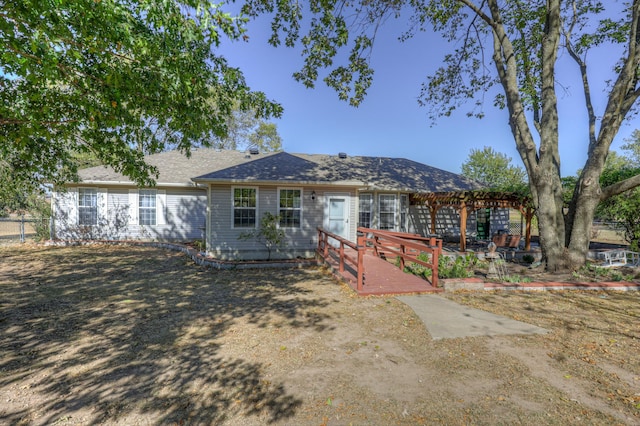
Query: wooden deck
x=381, y=278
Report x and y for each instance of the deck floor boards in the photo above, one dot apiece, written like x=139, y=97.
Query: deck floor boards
x=381, y=278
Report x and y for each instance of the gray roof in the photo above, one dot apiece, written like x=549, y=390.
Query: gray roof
x=174, y=168
x=216, y=166
x=381, y=173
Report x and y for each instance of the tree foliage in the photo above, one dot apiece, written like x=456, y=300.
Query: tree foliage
x=245, y=131
x=623, y=208
x=508, y=47
x=115, y=79
x=494, y=169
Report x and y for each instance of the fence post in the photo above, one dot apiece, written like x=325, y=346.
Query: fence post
x=22, y=228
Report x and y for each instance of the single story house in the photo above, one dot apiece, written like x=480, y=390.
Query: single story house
x=216, y=195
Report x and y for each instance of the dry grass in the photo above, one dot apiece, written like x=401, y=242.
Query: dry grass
x=131, y=335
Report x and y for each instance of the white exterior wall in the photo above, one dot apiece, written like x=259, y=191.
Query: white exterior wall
x=180, y=215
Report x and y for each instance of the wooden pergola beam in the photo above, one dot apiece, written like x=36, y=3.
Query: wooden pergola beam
x=469, y=201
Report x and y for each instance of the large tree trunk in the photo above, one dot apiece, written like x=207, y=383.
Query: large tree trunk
x=549, y=207
x=563, y=239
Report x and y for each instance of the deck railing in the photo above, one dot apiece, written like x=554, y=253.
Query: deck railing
x=407, y=247
x=329, y=242
x=385, y=244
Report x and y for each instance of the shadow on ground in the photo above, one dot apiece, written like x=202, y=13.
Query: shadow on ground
x=110, y=332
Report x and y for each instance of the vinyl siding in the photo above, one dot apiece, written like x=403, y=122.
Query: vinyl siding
x=180, y=216
x=223, y=239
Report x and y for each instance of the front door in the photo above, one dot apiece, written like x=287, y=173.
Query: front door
x=337, y=215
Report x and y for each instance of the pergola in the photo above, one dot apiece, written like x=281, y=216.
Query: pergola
x=469, y=201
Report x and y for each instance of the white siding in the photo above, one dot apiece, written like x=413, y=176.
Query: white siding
x=180, y=215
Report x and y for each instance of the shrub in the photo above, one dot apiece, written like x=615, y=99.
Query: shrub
x=448, y=266
x=528, y=259
x=268, y=234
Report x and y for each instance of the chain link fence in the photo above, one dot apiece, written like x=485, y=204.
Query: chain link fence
x=20, y=228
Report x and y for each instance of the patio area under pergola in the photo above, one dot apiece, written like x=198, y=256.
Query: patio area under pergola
x=466, y=202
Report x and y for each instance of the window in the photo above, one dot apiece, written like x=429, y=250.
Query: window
x=387, y=211
x=365, y=210
x=290, y=208
x=87, y=206
x=244, y=207
x=147, y=207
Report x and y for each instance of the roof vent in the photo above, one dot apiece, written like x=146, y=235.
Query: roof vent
x=342, y=155
x=254, y=151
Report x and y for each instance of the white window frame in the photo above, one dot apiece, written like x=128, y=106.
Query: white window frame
x=369, y=210
x=134, y=206
x=233, y=207
x=79, y=207
x=393, y=213
x=292, y=209
x=152, y=194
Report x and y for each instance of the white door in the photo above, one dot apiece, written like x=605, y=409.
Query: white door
x=337, y=215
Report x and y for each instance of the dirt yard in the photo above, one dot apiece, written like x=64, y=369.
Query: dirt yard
x=133, y=335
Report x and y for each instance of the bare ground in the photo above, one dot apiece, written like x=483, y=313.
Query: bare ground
x=132, y=335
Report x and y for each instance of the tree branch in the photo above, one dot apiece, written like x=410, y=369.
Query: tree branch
x=620, y=187
x=585, y=81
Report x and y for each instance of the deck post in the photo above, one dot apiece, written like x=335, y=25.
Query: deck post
x=341, y=264
x=325, y=241
x=360, y=267
x=403, y=251
x=434, y=267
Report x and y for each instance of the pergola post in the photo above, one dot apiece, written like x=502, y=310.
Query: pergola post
x=527, y=238
x=433, y=211
x=463, y=226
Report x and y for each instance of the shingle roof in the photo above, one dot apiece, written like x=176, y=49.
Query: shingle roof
x=382, y=173
x=174, y=167
x=210, y=165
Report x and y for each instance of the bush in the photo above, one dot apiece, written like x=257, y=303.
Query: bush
x=528, y=259
x=448, y=266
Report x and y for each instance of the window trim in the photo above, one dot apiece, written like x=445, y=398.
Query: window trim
x=370, y=195
x=300, y=209
x=394, y=212
x=153, y=193
x=96, y=206
x=233, y=207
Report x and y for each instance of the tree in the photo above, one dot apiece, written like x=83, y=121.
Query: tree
x=510, y=47
x=115, y=79
x=245, y=131
x=268, y=234
x=623, y=208
x=495, y=170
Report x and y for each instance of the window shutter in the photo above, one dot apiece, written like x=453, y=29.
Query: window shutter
x=161, y=207
x=102, y=204
x=133, y=206
x=71, y=202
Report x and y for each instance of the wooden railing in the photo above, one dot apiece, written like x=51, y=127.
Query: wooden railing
x=355, y=256
x=407, y=247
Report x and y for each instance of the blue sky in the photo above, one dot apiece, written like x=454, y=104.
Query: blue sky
x=389, y=122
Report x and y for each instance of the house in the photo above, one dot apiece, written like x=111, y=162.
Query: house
x=218, y=195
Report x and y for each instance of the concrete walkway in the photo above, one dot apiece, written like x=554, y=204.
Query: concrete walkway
x=447, y=319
